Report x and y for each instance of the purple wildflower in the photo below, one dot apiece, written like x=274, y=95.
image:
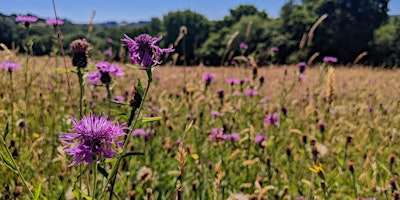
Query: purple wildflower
x=236, y=94
x=105, y=68
x=144, y=51
x=215, y=113
x=330, y=59
x=243, y=45
x=232, y=81
x=272, y=119
x=251, y=92
x=232, y=137
x=54, y=22
x=26, y=19
x=110, y=40
x=141, y=132
x=10, y=66
x=189, y=117
x=108, y=52
x=96, y=136
x=119, y=98
x=208, y=77
x=302, y=67
x=259, y=138
x=153, y=110
x=274, y=49
x=221, y=93
x=216, y=133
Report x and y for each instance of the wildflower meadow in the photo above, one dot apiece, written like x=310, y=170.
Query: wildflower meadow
x=75, y=126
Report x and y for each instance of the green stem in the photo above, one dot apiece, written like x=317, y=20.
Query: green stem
x=354, y=185
x=16, y=167
x=108, y=97
x=82, y=90
x=94, y=179
x=12, y=102
x=112, y=175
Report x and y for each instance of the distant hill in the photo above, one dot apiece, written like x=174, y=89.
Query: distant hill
x=113, y=24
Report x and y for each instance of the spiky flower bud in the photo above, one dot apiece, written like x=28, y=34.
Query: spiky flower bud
x=80, y=49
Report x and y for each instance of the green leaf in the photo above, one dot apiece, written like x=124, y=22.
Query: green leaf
x=8, y=163
x=37, y=193
x=340, y=161
x=140, y=87
x=66, y=70
x=135, y=67
x=102, y=171
x=5, y=132
x=132, y=153
x=150, y=119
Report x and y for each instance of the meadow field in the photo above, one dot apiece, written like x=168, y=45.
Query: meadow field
x=330, y=132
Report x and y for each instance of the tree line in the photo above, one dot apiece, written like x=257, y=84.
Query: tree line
x=354, y=31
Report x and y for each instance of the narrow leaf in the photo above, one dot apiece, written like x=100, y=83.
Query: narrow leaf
x=66, y=70
x=102, y=171
x=150, y=119
x=5, y=133
x=8, y=162
x=37, y=193
x=135, y=67
x=140, y=87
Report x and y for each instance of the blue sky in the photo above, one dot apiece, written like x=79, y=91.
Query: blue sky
x=80, y=11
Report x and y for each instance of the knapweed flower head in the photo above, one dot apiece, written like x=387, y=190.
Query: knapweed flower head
x=250, y=92
x=215, y=113
x=243, y=45
x=272, y=119
x=144, y=51
x=54, y=22
x=232, y=81
x=10, y=66
x=141, y=133
x=221, y=93
x=331, y=59
x=97, y=137
x=26, y=19
x=259, y=138
x=108, y=52
x=230, y=137
x=103, y=74
x=274, y=49
x=153, y=110
x=302, y=67
x=80, y=49
x=216, y=133
x=208, y=77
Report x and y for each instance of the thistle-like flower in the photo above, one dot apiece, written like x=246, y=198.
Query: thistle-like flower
x=144, y=51
x=10, y=66
x=54, y=22
x=96, y=136
x=27, y=20
x=105, y=68
x=80, y=49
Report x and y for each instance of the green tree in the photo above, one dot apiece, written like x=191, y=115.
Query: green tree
x=387, y=43
x=197, y=30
